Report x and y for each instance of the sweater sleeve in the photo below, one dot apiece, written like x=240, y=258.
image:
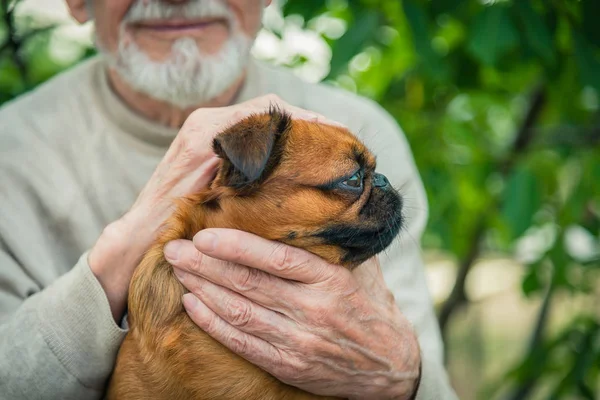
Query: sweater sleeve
x=58, y=339
x=60, y=342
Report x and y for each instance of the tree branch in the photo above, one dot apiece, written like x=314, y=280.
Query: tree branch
x=523, y=391
x=523, y=140
x=458, y=296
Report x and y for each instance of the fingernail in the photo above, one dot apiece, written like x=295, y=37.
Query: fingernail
x=205, y=241
x=190, y=302
x=171, y=251
x=179, y=274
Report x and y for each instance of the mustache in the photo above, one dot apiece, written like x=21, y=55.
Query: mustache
x=145, y=10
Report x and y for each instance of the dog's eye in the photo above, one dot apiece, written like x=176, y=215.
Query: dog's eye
x=355, y=181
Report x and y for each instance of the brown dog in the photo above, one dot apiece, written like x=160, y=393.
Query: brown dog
x=305, y=184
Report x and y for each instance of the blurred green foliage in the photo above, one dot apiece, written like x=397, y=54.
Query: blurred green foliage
x=500, y=102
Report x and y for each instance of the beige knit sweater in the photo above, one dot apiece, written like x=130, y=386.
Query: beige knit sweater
x=73, y=158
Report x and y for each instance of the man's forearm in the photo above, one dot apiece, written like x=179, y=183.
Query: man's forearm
x=61, y=342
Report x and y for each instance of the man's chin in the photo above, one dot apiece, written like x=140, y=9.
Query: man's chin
x=186, y=79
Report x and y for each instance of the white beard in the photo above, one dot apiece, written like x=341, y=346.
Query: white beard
x=187, y=77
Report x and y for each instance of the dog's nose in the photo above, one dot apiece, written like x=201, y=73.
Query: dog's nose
x=380, y=181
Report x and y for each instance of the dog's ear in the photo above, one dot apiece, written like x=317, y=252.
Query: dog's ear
x=251, y=147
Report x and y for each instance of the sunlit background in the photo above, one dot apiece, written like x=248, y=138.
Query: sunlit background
x=499, y=100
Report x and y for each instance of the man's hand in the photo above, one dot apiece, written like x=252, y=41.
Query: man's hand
x=188, y=166
x=311, y=324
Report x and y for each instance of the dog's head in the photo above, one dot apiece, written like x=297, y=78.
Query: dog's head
x=306, y=184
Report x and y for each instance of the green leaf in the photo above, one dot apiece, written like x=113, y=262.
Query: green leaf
x=587, y=61
x=430, y=60
x=358, y=35
x=11, y=83
x=445, y=6
x=590, y=10
x=521, y=200
x=536, y=31
x=492, y=35
x=308, y=9
x=531, y=283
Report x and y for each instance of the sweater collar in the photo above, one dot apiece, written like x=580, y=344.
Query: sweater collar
x=143, y=129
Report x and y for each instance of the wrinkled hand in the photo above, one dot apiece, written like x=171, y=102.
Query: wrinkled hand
x=188, y=167
x=311, y=324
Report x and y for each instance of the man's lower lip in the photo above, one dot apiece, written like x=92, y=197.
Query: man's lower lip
x=177, y=28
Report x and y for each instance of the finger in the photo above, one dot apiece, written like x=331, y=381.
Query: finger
x=299, y=113
x=252, y=348
x=267, y=290
x=240, y=312
x=197, y=179
x=203, y=124
x=272, y=257
x=263, y=103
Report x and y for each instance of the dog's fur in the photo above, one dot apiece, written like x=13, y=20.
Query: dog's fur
x=279, y=179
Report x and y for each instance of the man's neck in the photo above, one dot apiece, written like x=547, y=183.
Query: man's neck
x=162, y=112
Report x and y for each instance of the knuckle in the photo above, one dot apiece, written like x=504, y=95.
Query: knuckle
x=278, y=359
x=184, y=137
x=238, y=343
x=302, y=367
x=211, y=326
x=296, y=369
x=182, y=149
x=282, y=259
x=238, y=313
x=248, y=279
x=272, y=98
x=184, y=140
x=188, y=154
x=197, y=114
x=196, y=261
x=238, y=115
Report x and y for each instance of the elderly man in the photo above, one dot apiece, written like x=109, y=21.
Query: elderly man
x=89, y=163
